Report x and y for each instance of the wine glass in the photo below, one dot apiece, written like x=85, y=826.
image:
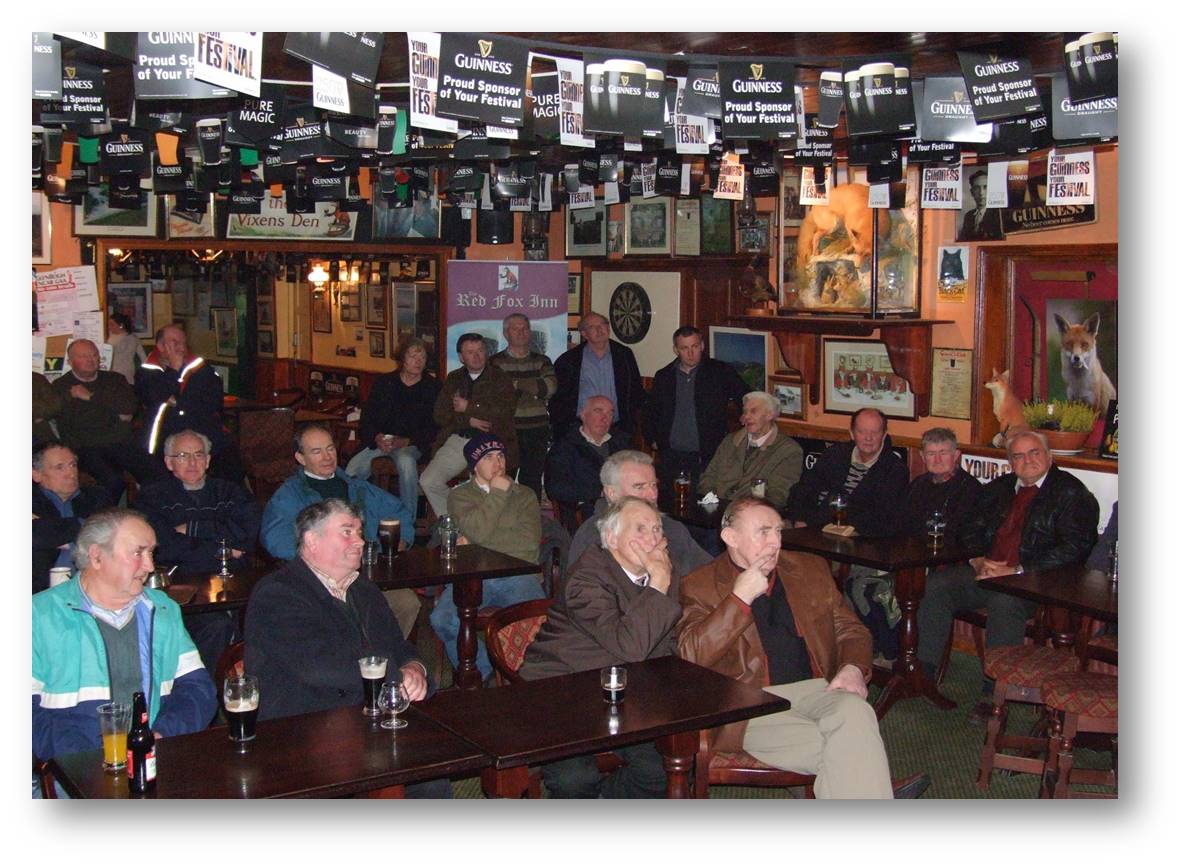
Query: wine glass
x=935, y=523
x=392, y=700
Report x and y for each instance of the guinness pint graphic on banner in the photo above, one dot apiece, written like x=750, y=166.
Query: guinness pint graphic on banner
x=701, y=98
x=615, y=100
x=653, y=119
x=758, y=100
x=542, y=101
x=164, y=68
x=946, y=112
x=351, y=55
x=1091, y=119
x=424, y=58
x=482, y=78
x=879, y=97
x=830, y=97
x=1091, y=65
x=1000, y=86
x=83, y=99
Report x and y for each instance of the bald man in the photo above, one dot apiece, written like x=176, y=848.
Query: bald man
x=600, y=366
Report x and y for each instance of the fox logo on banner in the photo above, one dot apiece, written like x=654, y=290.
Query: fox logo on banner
x=1000, y=86
x=424, y=50
x=482, y=78
x=1091, y=65
x=758, y=100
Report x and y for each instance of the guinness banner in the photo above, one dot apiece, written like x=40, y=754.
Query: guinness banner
x=1029, y=209
x=692, y=133
x=257, y=118
x=1090, y=62
x=1092, y=119
x=818, y=149
x=47, y=67
x=571, y=103
x=171, y=178
x=83, y=100
x=815, y=185
x=879, y=97
x=164, y=68
x=351, y=55
x=701, y=98
x=424, y=51
x=475, y=144
x=121, y=44
x=940, y=187
x=482, y=78
x=125, y=151
x=831, y=95
x=1000, y=86
x=302, y=137
x=946, y=112
x=233, y=60
x=758, y=100
x=1071, y=178
x=542, y=101
x=924, y=152
x=620, y=98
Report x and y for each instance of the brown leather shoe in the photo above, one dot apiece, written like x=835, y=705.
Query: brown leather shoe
x=911, y=787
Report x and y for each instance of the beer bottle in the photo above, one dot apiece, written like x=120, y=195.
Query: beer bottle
x=141, y=748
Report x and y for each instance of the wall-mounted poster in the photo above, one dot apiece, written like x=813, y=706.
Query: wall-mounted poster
x=859, y=374
x=265, y=311
x=349, y=304
x=326, y=222
x=952, y=267
x=322, y=312
x=377, y=343
x=952, y=383
x=41, y=229
x=266, y=343
x=133, y=299
x=95, y=218
x=793, y=210
x=226, y=331
x=688, y=226
x=480, y=295
x=745, y=350
x=184, y=224
x=718, y=238
x=586, y=230
x=647, y=227
x=643, y=308
x=421, y=219
x=791, y=398
x=574, y=293
x=753, y=239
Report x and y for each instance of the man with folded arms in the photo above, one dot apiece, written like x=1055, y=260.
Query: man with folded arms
x=775, y=619
x=493, y=511
x=533, y=378
x=309, y=623
x=103, y=635
x=59, y=507
x=617, y=605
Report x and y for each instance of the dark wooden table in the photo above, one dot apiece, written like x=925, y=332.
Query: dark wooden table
x=1087, y=593
x=214, y=593
x=907, y=558
x=320, y=755
x=668, y=700
x=420, y=567
x=708, y=518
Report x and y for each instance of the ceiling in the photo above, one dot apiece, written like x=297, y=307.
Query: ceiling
x=932, y=53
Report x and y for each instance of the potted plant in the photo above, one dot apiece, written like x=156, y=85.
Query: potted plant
x=1065, y=424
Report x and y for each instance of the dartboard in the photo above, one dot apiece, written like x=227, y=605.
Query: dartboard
x=630, y=313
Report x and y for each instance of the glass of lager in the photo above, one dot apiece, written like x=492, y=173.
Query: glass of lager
x=114, y=721
x=838, y=509
x=240, y=696
x=373, y=671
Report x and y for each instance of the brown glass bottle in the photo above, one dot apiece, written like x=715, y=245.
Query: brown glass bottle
x=141, y=748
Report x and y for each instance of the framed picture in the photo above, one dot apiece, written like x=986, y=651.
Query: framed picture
x=791, y=397
x=349, y=300
x=788, y=271
x=615, y=236
x=133, y=299
x=574, y=293
x=648, y=226
x=718, y=238
x=420, y=220
x=792, y=211
x=376, y=315
x=184, y=302
x=322, y=312
x=183, y=224
x=377, y=343
x=266, y=343
x=265, y=312
x=858, y=374
x=226, y=331
x=95, y=218
x=587, y=231
x=745, y=350
x=754, y=239
x=42, y=233
x=688, y=226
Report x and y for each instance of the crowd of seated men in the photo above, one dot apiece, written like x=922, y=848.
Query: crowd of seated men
x=637, y=583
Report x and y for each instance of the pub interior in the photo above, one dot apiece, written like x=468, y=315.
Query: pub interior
x=684, y=397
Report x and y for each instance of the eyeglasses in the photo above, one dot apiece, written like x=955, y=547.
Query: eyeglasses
x=190, y=457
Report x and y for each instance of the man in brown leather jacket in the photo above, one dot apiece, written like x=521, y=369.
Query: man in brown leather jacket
x=775, y=619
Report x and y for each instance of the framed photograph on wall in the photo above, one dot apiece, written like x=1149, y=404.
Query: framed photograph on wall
x=185, y=224
x=420, y=220
x=322, y=312
x=377, y=343
x=718, y=237
x=226, y=331
x=688, y=226
x=133, y=299
x=587, y=230
x=648, y=226
x=574, y=293
x=265, y=311
x=792, y=210
x=94, y=217
x=349, y=299
x=745, y=350
x=376, y=315
x=266, y=343
x=42, y=233
x=790, y=396
x=858, y=374
x=754, y=238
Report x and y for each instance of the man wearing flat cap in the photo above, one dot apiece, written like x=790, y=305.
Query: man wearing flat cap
x=493, y=511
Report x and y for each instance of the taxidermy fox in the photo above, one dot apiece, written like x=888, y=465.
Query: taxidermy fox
x=848, y=206
x=1080, y=365
x=1007, y=407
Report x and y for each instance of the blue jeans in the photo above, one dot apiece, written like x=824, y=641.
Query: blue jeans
x=445, y=620
x=406, y=460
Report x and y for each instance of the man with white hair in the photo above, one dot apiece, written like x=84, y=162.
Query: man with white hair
x=573, y=465
x=618, y=604
x=102, y=636
x=758, y=451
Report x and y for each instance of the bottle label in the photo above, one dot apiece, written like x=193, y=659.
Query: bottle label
x=150, y=766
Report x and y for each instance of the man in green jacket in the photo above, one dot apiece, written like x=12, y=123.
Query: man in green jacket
x=759, y=451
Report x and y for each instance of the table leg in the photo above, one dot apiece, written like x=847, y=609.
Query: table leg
x=506, y=782
x=907, y=678
x=467, y=594
x=677, y=751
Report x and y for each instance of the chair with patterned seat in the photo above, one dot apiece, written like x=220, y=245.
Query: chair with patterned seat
x=509, y=632
x=1018, y=672
x=739, y=769
x=1079, y=702
x=265, y=442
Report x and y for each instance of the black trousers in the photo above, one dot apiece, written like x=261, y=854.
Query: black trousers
x=107, y=463
x=641, y=776
x=533, y=445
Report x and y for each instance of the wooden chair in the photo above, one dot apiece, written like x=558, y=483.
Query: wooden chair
x=739, y=769
x=509, y=632
x=265, y=442
x=1079, y=702
x=44, y=778
x=568, y=514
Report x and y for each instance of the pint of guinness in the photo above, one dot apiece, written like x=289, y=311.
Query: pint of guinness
x=209, y=136
x=240, y=698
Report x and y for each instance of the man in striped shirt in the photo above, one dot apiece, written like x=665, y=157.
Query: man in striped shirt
x=534, y=383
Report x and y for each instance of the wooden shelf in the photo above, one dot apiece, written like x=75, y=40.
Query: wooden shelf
x=908, y=341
